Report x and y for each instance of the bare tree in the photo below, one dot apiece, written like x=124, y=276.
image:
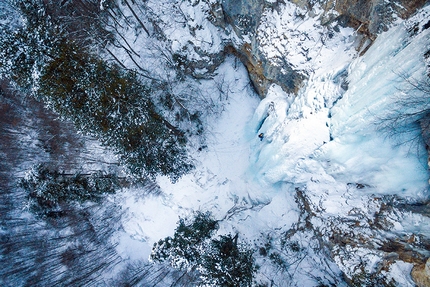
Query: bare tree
x=409, y=116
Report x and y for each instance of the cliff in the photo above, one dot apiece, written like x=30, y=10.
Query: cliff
x=367, y=18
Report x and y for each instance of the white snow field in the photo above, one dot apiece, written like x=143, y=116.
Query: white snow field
x=323, y=141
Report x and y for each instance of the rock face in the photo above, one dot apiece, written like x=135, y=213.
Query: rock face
x=421, y=274
x=244, y=17
x=367, y=17
x=373, y=15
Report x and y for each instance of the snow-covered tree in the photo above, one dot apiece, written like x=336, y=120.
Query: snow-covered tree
x=111, y=104
x=219, y=261
x=228, y=263
x=25, y=45
x=50, y=190
x=409, y=113
x=185, y=248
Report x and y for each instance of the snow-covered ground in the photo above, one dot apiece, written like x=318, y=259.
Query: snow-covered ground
x=324, y=141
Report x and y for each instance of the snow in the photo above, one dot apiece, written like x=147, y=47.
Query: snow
x=221, y=182
x=172, y=20
x=218, y=182
x=399, y=272
x=297, y=36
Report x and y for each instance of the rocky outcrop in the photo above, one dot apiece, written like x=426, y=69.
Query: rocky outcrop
x=364, y=243
x=374, y=16
x=421, y=274
x=262, y=73
x=244, y=17
x=367, y=17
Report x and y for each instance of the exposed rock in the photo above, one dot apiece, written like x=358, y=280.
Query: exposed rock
x=262, y=73
x=357, y=243
x=421, y=274
x=406, y=249
x=370, y=17
x=244, y=17
x=427, y=57
x=367, y=17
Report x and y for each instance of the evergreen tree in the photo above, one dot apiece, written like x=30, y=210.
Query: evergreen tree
x=50, y=190
x=220, y=262
x=111, y=104
x=25, y=46
x=185, y=248
x=228, y=263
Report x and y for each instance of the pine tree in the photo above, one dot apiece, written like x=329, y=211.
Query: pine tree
x=184, y=249
x=111, y=104
x=25, y=46
x=220, y=261
x=50, y=190
x=228, y=263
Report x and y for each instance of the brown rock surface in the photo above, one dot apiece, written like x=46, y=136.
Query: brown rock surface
x=421, y=274
x=368, y=17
